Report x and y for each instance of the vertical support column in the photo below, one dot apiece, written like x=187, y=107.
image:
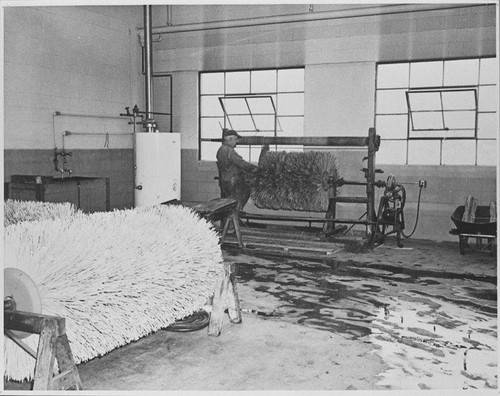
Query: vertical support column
x=331, y=211
x=370, y=180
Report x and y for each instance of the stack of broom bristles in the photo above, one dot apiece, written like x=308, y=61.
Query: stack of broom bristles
x=115, y=276
x=293, y=180
x=17, y=211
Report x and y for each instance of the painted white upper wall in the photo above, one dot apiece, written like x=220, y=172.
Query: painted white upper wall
x=76, y=60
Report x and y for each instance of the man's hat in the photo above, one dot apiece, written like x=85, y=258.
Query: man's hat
x=229, y=132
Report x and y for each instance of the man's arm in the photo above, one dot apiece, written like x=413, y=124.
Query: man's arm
x=237, y=160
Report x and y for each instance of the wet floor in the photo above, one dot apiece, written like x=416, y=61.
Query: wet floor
x=432, y=331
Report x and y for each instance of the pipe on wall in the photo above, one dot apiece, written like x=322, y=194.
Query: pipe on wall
x=148, y=65
x=310, y=17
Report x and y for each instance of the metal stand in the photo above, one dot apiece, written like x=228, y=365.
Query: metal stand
x=53, y=344
x=464, y=246
x=372, y=142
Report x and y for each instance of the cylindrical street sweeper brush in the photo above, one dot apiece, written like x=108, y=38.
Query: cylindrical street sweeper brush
x=16, y=211
x=293, y=180
x=115, y=276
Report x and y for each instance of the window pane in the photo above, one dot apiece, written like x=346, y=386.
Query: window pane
x=209, y=151
x=244, y=151
x=395, y=127
x=291, y=126
x=289, y=148
x=291, y=104
x=262, y=105
x=235, y=106
x=487, y=125
x=489, y=71
x=242, y=123
x=488, y=98
x=459, y=152
x=238, y=82
x=393, y=76
x=459, y=100
x=460, y=120
x=255, y=153
x=426, y=74
x=290, y=80
x=487, y=152
x=461, y=72
x=210, y=106
x=212, y=83
x=264, y=122
x=263, y=81
x=423, y=152
x=392, y=152
x=391, y=102
x=427, y=120
x=211, y=127
x=451, y=133
x=424, y=101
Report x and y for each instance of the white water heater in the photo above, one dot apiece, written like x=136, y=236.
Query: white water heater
x=157, y=168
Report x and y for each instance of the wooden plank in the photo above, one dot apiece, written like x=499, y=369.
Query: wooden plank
x=290, y=243
x=31, y=322
x=273, y=217
x=20, y=343
x=44, y=367
x=215, y=205
x=67, y=364
x=225, y=297
x=233, y=310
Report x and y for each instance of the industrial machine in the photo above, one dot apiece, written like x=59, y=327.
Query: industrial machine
x=387, y=220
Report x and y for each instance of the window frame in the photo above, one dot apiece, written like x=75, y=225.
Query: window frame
x=274, y=94
x=404, y=140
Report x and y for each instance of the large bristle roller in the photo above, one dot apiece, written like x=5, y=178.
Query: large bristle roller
x=16, y=211
x=293, y=180
x=115, y=277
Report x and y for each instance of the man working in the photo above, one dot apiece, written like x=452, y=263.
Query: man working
x=232, y=169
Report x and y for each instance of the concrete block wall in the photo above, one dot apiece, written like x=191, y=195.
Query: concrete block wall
x=82, y=61
x=340, y=58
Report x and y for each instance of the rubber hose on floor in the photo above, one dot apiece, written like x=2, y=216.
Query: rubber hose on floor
x=197, y=321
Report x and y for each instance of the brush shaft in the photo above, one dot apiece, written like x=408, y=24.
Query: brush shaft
x=348, y=141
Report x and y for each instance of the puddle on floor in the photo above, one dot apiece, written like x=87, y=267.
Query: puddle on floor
x=432, y=333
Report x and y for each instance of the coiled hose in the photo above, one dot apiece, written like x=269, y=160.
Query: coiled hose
x=197, y=321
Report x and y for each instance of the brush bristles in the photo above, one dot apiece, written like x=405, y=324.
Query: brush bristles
x=17, y=211
x=293, y=181
x=115, y=277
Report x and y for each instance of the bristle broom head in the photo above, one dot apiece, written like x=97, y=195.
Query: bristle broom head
x=16, y=211
x=115, y=276
x=293, y=181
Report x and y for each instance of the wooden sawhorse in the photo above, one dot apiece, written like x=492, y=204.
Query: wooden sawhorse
x=53, y=344
x=226, y=297
x=223, y=209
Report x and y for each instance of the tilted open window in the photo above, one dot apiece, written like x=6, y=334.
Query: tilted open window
x=450, y=113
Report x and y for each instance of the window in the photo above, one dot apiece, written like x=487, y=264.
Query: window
x=437, y=112
x=253, y=102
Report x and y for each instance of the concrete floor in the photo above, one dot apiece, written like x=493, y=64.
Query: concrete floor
x=384, y=319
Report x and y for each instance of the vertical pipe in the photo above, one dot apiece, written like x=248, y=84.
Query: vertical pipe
x=148, y=31
x=370, y=186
